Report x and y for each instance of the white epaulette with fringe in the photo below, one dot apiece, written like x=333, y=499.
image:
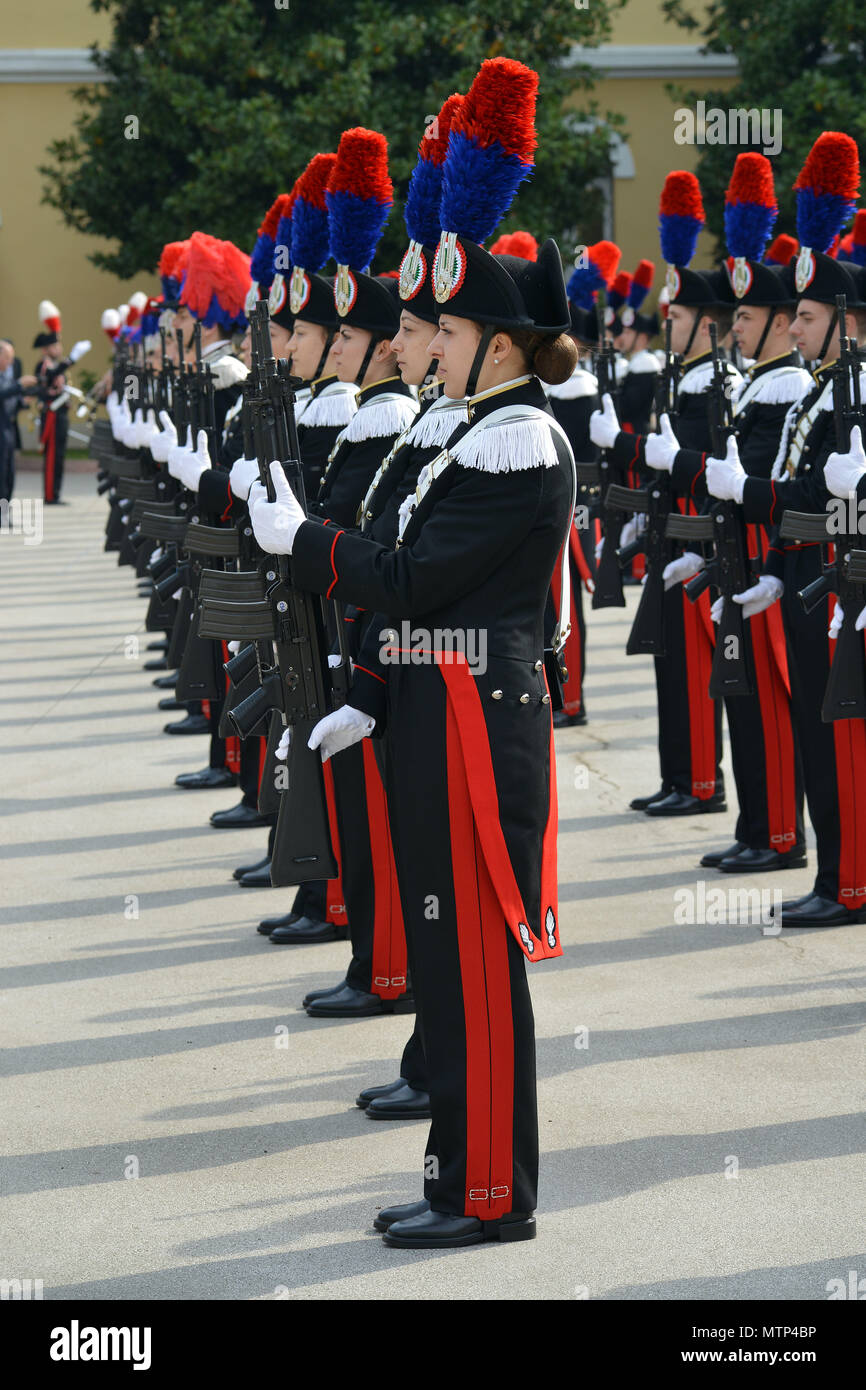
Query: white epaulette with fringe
x=580, y=383
x=437, y=423
x=781, y=386
x=508, y=441
x=389, y=413
x=335, y=404
x=643, y=362
x=227, y=371
x=699, y=379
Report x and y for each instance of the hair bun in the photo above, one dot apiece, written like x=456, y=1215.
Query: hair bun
x=555, y=359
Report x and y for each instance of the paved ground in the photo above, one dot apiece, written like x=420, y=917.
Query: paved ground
x=702, y=1139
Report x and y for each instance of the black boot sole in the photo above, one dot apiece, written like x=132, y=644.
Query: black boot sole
x=502, y=1231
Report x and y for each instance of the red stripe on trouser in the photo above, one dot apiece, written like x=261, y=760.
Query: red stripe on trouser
x=233, y=753
x=579, y=558
x=549, y=875
x=778, y=737
x=263, y=757
x=572, y=690
x=465, y=701
x=849, y=738
x=486, y=986
x=49, y=449
x=702, y=721
x=335, y=902
x=205, y=708
x=388, y=970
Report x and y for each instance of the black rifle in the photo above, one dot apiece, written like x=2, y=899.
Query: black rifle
x=843, y=573
x=608, y=576
x=730, y=569
x=655, y=501
x=295, y=677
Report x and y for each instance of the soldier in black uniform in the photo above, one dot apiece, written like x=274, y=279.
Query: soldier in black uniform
x=833, y=754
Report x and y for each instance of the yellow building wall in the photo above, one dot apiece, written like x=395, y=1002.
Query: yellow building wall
x=42, y=258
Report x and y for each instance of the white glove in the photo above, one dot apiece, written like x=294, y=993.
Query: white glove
x=275, y=524
x=861, y=621
x=258, y=493
x=176, y=452
x=156, y=555
x=282, y=749
x=630, y=531
x=681, y=569
x=162, y=444
x=233, y=647
x=603, y=424
x=761, y=595
x=836, y=622
x=340, y=730
x=599, y=547
x=78, y=349
x=842, y=472
x=726, y=477
x=661, y=449
x=717, y=608
x=190, y=465
x=130, y=431
x=147, y=430
x=244, y=472
x=334, y=660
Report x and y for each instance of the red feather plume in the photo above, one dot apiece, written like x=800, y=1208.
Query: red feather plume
x=362, y=166
x=216, y=268
x=435, y=147
x=681, y=195
x=522, y=244
x=605, y=256
x=173, y=259
x=783, y=247
x=621, y=284
x=273, y=215
x=832, y=166
x=500, y=106
x=752, y=181
x=645, y=274
x=314, y=180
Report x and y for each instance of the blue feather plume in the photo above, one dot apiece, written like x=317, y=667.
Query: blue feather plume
x=355, y=226
x=748, y=227
x=479, y=184
x=309, y=235
x=262, y=260
x=282, y=252
x=820, y=217
x=585, y=280
x=422, y=202
x=678, y=234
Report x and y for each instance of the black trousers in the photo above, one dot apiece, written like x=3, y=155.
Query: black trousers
x=833, y=755
x=690, y=723
x=764, y=750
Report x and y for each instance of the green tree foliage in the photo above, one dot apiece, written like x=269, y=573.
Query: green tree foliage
x=804, y=59
x=233, y=97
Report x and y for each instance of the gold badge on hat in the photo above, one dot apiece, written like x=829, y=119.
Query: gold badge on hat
x=673, y=281
x=278, y=294
x=413, y=269
x=449, y=267
x=741, y=277
x=345, y=290
x=252, y=298
x=804, y=272
x=299, y=290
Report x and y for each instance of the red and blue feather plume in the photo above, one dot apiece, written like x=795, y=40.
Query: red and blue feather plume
x=641, y=284
x=282, y=257
x=826, y=189
x=359, y=197
x=597, y=268
x=425, y=186
x=856, y=250
x=172, y=263
x=309, y=214
x=781, y=249
x=490, y=149
x=750, y=207
x=262, y=258
x=681, y=217
x=216, y=282
x=619, y=290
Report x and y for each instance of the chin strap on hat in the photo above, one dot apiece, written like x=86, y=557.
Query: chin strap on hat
x=368, y=357
x=329, y=339
x=827, y=336
x=487, y=332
